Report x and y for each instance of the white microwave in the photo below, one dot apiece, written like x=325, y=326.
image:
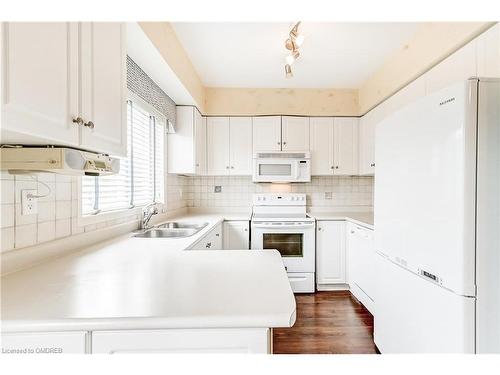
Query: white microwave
x=282, y=166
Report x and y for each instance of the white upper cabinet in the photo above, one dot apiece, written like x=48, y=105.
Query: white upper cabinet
x=218, y=146
x=40, y=83
x=200, y=143
x=331, y=252
x=240, y=145
x=321, y=145
x=345, y=150
x=55, y=73
x=294, y=133
x=367, y=145
x=488, y=53
x=459, y=66
x=266, y=133
x=229, y=146
x=187, y=146
x=103, y=92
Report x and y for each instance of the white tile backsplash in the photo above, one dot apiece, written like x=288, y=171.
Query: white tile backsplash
x=237, y=191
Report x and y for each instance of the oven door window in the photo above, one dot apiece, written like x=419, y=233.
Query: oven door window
x=275, y=170
x=288, y=244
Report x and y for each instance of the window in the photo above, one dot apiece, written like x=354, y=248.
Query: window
x=141, y=176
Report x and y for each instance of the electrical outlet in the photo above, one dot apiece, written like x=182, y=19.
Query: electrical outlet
x=217, y=189
x=28, y=202
x=328, y=195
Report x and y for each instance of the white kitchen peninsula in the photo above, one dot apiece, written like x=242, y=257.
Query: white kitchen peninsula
x=138, y=295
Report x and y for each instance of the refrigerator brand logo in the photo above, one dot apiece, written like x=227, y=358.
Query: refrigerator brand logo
x=447, y=101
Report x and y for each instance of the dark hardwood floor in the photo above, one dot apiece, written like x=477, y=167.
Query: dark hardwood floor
x=327, y=323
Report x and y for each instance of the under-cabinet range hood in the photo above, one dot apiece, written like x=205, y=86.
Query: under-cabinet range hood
x=61, y=160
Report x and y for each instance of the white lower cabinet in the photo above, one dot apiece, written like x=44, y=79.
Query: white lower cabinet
x=330, y=255
x=236, y=235
x=44, y=342
x=211, y=241
x=360, y=248
x=229, y=340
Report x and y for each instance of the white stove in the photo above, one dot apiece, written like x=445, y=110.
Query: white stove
x=280, y=222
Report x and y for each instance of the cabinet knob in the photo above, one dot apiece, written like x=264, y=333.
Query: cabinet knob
x=372, y=164
x=216, y=234
x=89, y=125
x=227, y=166
x=332, y=167
x=336, y=167
x=209, y=245
x=284, y=143
x=279, y=143
x=246, y=229
x=232, y=166
x=319, y=229
x=197, y=164
x=78, y=121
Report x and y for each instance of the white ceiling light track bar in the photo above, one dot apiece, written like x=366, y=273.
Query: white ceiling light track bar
x=293, y=44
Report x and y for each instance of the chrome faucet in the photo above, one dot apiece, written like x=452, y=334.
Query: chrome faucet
x=147, y=214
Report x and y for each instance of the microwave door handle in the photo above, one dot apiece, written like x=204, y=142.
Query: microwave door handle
x=296, y=167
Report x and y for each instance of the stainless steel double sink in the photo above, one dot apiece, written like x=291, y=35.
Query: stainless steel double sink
x=172, y=229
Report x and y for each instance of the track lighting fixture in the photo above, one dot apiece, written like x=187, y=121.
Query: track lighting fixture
x=292, y=44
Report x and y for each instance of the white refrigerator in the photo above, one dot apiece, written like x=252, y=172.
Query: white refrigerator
x=437, y=223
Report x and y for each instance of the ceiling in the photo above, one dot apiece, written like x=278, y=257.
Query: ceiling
x=333, y=55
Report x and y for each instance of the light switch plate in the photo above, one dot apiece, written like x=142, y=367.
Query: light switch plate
x=29, y=203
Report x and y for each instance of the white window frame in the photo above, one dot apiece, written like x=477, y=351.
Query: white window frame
x=136, y=210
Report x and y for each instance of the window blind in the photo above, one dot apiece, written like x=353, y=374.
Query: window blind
x=141, y=176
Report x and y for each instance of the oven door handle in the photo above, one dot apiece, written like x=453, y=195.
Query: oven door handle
x=272, y=227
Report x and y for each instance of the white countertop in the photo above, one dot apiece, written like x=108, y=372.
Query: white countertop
x=364, y=219
x=133, y=283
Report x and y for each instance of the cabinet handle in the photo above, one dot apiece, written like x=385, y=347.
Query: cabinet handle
x=319, y=229
x=227, y=166
x=78, y=121
x=284, y=143
x=332, y=167
x=209, y=245
x=246, y=229
x=279, y=143
x=352, y=232
x=372, y=164
x=89, y=125
x=216, y=234
x=232, y=166
x=336, y=167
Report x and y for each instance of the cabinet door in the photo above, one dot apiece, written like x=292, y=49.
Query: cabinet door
x=361, y=259
x=200, y=143
x=488, y=53
x=218, y=162
x=240, y=145
x=330, y=252
x=266, y=133
x=345, y=150
x=236, y=235
x=103, y=92
x=182, y=157
x=366, y=145
x=321, y=145
x=38, y=342
x=206, y=340
x=295, y=133
x=40, y=83
x=211, y=241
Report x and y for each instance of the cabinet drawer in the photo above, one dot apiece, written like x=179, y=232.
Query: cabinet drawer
x=44, y=342
x=301, y=282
